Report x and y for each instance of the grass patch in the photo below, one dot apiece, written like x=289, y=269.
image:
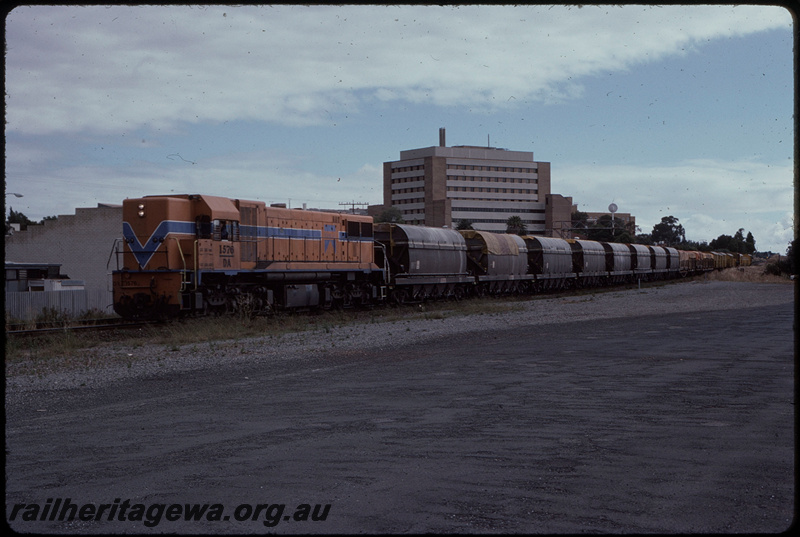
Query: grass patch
x=204, y=331
x=751, y=274
x=63, y=343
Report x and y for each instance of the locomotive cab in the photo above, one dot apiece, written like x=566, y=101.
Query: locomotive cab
x=218, y=244
x=217, y=234
x=157, y=233
x=167, y=242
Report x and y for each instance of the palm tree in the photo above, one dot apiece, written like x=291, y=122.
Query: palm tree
x=515, y=225
x=464, y=224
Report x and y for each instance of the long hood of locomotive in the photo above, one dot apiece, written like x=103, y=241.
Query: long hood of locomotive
x=144, y=246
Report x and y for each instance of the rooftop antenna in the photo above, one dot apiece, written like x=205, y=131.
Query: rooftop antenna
x=353, y=204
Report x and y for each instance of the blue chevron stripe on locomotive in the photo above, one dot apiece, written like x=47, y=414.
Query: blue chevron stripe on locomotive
x=144, y=252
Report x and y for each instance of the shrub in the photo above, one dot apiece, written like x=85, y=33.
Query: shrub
x=778, y=268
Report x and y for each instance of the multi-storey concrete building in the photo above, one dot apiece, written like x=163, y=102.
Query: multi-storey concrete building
x=558, y=216
x=440, y=186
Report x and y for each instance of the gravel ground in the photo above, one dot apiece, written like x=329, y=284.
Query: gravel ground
x=114, y=362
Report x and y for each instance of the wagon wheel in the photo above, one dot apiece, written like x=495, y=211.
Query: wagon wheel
x=399, y=296
x=458, y=293
x=525, y=288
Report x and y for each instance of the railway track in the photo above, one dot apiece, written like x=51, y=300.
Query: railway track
x=99, y=325
x=20, y=330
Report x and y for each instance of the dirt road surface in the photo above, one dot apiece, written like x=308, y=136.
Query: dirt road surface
x=662, y=423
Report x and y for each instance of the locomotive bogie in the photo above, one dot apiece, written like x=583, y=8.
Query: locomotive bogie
x=147, y=294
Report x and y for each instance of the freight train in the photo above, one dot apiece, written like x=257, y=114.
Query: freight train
x=197, y=254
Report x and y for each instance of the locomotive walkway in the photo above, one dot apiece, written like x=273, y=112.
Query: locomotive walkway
x=671, y=422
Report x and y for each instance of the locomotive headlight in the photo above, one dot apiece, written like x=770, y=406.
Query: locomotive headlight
x=141, y=210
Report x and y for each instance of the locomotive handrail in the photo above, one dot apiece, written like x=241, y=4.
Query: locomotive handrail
x=183, y=259
x=195, y=265
x=114, y=250
x=386, y=269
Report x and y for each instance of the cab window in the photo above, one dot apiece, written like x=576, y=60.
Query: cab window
x=203, y=227
x=225, y=230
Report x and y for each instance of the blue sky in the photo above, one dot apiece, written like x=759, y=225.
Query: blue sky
x=673, y=110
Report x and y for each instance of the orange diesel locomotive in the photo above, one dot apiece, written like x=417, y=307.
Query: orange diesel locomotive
x=194, y=253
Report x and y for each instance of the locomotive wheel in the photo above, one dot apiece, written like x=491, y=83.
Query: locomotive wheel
x=338, y=297
x=354, y=292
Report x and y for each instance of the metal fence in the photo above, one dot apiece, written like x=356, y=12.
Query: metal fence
x=27, y=306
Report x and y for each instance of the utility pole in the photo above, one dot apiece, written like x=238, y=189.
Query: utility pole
x=353, y=204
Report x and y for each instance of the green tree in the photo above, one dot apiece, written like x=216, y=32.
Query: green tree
x=723, y=242
x=603, y=230
x=515, y=225
x=580, y=221
x=750, y=243
x=625, y=236
x=391, y=215
x=668, y=232
x=694, y=246
x=15, y=217
x=786, y=265
x=736, y=243
x=464, y=224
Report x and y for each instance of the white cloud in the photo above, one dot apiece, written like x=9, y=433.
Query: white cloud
x=261, y=176
x=118, y=68
x=709, y=197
